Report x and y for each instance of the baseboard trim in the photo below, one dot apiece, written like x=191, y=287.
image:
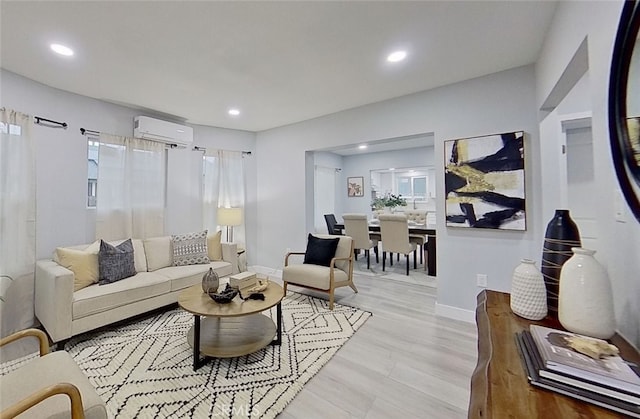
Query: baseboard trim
x=455, y=313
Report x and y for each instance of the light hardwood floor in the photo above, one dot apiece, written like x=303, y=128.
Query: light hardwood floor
x=404, y=362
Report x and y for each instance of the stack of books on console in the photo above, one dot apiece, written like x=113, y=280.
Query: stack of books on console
x=552, y=363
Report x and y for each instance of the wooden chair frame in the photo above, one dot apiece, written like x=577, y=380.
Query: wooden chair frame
x=77, y=410
x=333, y=284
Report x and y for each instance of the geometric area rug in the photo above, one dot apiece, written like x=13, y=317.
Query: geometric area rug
x=143, y=369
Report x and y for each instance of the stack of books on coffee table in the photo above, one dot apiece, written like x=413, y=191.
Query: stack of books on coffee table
x=550, y=363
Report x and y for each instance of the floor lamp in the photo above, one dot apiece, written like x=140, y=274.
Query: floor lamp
x=229, y=217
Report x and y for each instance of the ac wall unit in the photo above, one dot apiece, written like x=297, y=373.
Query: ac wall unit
x=163, y=131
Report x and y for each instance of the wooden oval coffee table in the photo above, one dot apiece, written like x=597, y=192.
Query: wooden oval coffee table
x=233, y=329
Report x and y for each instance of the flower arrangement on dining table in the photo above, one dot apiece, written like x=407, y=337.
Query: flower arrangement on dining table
x=388, y=201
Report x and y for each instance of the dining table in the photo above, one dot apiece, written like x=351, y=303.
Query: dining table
x=421, y=229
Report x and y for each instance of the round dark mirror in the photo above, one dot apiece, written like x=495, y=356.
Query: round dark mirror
x=624, y=105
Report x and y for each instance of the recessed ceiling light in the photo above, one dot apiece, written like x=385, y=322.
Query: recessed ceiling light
x=396, y=56
x=392, y=168
x=362, y=147
x=234, y=112
x=62, y=50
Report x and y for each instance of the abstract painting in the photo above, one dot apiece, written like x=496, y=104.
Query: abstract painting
x=355, y=186
x=484, y=182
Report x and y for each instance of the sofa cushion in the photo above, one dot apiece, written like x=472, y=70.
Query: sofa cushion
x=320, y=251
x=158, y=252
x=190, y=249
x=83, y=264
x=115, y=262
x=214, y=246
x=315, y=276
x=100, y=298
x=185, y=276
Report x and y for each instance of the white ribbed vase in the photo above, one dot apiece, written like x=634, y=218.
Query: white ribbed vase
x=528, y=292
x=585, y=301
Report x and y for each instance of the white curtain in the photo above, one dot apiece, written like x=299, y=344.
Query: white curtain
x=324, y=196
x=131, y=188
x=223, y=186
x=17, y=221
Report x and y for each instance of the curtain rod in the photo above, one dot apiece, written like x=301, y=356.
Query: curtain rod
x=88, y=131
x=39, y=119
x=204, y=149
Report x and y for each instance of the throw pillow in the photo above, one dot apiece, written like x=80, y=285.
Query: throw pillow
x=115, y=262
x=158, y=252
x=214, y=246
x=190, y=249
x=83, y=264
x=320, y=251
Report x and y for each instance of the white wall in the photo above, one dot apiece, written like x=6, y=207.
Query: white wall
x=619, y=245
x=61, y=158
x=496, y=103
x=362, y=164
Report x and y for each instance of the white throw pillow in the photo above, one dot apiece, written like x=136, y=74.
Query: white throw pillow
x=158, y=252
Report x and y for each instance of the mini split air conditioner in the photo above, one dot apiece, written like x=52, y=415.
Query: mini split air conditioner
x=163, y=131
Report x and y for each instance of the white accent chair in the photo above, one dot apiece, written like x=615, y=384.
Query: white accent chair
x=29, y=390
x=395, y=238
x=418, y=217
x=339, y=273
x=357, y=227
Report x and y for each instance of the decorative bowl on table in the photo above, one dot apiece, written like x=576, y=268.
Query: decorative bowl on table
x=224, y=297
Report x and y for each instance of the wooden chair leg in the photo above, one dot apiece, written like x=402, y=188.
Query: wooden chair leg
x=421, y=252
x=390, y=258
x=384, y=259
x=415, y=259
x=376, y=251
x=284, y=287
x=366, y=252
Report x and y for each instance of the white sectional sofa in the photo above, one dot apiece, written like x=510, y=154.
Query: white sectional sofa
x=65, y=313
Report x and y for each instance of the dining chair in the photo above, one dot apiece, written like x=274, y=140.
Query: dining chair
x=331, y=221
x=357, y=226
x=395, y=238
x=418, y=217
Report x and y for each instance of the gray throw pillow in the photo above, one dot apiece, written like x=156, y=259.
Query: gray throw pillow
x=190, y=249
x=115, y=262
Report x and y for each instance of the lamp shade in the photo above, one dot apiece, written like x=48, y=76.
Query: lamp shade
x=229, y=216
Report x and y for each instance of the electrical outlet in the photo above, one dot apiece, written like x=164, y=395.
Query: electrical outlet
x=481, y=280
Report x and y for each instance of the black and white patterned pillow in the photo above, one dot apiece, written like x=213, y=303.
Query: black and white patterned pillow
x=115, y=262
x=190, y=249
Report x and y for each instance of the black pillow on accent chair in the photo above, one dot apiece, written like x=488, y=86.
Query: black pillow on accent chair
x=320, y=251
x=115, y=262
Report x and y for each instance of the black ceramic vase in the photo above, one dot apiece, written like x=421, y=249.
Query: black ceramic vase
x=562, y=234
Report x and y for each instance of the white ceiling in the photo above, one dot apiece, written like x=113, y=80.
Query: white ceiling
x=278, y=62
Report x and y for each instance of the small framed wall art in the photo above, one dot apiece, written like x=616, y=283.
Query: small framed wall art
x=484, y=182
x=355, y=186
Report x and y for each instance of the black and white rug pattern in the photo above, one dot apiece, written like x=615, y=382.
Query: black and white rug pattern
x=144, y=369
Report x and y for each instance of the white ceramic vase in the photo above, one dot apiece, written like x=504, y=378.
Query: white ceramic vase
x=528, y=292
x=585, y=301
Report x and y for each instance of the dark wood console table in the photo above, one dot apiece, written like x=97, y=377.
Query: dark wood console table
x=499, y=386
